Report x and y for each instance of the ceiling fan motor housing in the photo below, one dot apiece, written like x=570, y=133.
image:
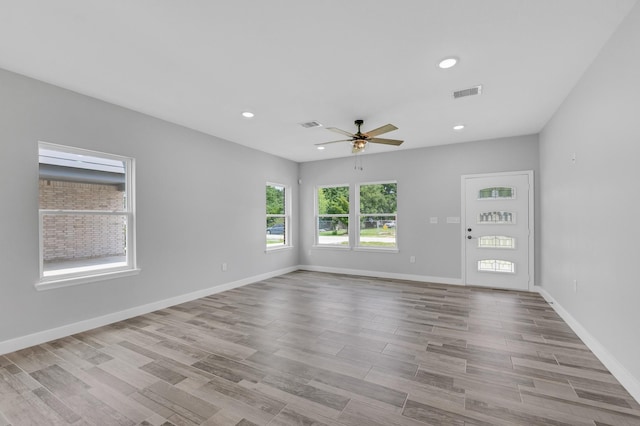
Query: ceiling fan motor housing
x=359, y=134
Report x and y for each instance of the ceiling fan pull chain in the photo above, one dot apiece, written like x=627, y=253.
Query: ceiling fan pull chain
x=355, y=164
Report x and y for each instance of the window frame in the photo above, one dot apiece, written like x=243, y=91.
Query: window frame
x=286, y=216
x=359, y=216
x=317, y=216
x=91, y=274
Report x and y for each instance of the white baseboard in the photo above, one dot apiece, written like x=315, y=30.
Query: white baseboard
x=38, y=338
x=626, y=379
x=379, y=274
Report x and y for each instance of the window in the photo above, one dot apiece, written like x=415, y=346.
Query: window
x=496, y=241
x=497, y=193
x=277, y=216
x=377, y=218
x=496, y=265
x=86, y=214
x=499, y=217
x=332, y=216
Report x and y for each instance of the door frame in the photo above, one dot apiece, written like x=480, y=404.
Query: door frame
x=532, y=221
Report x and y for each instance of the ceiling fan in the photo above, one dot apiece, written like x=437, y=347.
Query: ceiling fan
x=359, y=139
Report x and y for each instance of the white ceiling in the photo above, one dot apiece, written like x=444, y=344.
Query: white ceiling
x=200, y=63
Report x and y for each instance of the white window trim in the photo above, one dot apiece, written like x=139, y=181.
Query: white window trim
x=359, y=215
x=277, y=248
x=316, y=242
x=377, y=249
x=102, y=276
x=100, y=273
x=287, y=219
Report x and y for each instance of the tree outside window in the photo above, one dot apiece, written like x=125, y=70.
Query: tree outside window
x=277, y=208
x=377, y=219
x=332, y=224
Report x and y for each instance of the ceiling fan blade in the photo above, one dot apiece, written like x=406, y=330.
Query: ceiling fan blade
x=327, y=143
x=380, y=130
x=342, y=132
x=395, y=142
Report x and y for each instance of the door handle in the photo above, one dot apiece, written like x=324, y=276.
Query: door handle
x=469, y=237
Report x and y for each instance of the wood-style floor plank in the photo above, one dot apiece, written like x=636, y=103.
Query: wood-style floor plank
x=310, y=348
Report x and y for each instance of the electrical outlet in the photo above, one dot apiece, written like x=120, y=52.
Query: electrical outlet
x=224, y=267
x=412, y=259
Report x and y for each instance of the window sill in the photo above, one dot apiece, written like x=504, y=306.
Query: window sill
x=377, y=249
x=276, y=249
x=331, y=247
x=50, y=284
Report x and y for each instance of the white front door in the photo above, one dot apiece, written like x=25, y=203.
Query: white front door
x=498, y=230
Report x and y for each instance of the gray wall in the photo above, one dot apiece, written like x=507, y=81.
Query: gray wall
x=200, y=202
x=589, y=209
x=428, y=186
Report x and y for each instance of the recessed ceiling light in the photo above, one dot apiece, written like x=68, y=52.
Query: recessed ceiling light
x=248, y=114
x=321, y=148
x=447, y=63
x=458, y=127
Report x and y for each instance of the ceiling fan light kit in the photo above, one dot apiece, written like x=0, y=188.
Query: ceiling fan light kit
x=359, y=139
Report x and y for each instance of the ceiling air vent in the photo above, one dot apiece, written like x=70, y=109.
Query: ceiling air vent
x=475, y=90
x=310, y=124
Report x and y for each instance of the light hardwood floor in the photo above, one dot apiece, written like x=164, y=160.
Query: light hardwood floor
x=320, y=349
